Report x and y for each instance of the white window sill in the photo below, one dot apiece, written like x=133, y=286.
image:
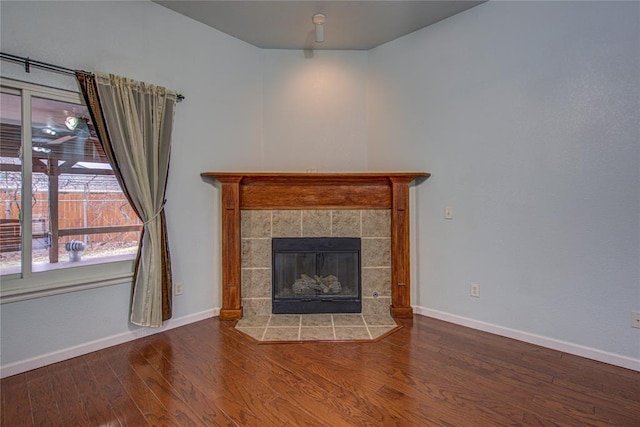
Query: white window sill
x=63, y=277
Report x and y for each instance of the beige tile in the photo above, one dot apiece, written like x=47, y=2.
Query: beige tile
x=346, y=223
x=376, y=252
x=378, y=331
x=316, y=223
x=255, y=223
x=255, y=333
x=284, y=327
x=376, y=306
x=316, y=320
x=281, y=334
x=285, y=320
x=376, y=280
x=286, y=224
x=253, y=321
x=352, y=333
x=256, y=306
x=256, y=253
x=376, y=320
x=256, y=283
x=348, y=320
x=310, y=333
x=376, y=223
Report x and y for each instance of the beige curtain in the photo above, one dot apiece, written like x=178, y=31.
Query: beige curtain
x=137, y=120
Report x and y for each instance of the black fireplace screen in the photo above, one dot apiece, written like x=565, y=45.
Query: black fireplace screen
x=316, y=275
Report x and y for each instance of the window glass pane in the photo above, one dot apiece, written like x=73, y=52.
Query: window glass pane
x=10, y=183
x=77, y=199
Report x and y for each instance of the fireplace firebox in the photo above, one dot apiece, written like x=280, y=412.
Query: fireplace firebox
x=316, y=275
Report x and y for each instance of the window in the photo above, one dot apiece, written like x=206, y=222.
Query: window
x=64, y=221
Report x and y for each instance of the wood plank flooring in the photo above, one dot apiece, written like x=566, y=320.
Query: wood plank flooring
x=429, y=373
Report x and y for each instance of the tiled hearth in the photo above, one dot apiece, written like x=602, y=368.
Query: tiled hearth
x=317, y=327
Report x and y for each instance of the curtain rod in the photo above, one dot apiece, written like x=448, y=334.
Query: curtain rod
x=28, y=63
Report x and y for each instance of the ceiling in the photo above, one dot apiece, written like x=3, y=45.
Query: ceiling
x=351, y=25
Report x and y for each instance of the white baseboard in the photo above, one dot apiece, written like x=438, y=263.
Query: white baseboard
x=566, y=347
x=79, y=350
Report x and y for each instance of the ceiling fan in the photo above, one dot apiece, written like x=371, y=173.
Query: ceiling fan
x=72, y=128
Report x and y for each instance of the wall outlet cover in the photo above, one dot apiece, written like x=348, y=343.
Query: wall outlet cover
x=475, y=290
x=178, y=289
x=635, y=319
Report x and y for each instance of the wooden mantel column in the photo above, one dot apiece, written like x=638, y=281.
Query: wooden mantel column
x=400, y=248
x=231, y=249
x=272, y=190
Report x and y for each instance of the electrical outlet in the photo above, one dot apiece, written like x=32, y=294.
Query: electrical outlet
x=448, y=212
x=635, y=319
x=475, y=290
x=179, y=290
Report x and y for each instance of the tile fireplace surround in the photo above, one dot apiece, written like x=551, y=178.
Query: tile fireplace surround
x=373, y=227
x=257, y=206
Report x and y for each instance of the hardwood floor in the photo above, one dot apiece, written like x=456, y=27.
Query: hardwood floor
x=428, y=373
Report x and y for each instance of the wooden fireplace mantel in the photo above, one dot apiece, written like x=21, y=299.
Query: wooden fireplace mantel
x=273, y=190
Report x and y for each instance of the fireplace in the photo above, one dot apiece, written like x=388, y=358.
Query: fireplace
x=316, y=275
x=264, y=191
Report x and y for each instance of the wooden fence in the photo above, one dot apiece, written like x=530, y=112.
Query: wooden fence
x=80, y=210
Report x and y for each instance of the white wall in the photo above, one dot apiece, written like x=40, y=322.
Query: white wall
x=314, y=107
x=526, y=114
x=217, y=127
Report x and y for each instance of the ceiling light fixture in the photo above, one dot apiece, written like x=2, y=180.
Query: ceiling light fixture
x=44, y=150
x=319, y=19
x=71, y=122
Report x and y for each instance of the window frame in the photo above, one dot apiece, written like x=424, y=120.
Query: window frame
x=30, y=284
